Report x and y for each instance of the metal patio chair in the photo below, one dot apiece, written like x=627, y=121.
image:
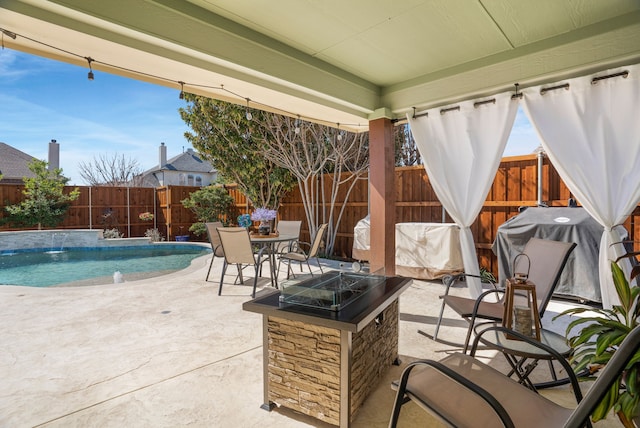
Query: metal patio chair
x=298, y=255
x=464, y=392
x=216, y=245
x=290, y=228
x=547, y=260
x=238, y=251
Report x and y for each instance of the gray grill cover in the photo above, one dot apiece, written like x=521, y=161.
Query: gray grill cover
x=580, y=276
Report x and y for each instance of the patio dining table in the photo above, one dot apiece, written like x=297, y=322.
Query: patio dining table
x=269, y=242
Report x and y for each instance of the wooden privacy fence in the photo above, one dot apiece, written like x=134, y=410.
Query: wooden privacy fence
x=515, y=185
x=120, y=207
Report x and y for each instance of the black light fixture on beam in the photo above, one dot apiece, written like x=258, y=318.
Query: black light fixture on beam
x=181, y=96
x=90, y=74
x=8, y=34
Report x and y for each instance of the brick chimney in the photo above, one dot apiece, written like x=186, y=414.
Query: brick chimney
x=163, y=155
x=54, y=155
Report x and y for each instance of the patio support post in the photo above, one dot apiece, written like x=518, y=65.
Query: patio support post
x=382, y=193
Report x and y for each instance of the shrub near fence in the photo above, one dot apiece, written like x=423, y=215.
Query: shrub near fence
x=515, y=185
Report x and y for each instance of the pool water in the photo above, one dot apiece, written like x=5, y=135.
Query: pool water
x=44, y=269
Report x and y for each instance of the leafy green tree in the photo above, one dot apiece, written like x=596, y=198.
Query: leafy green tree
x=232, y=143
x=45, y=202
x=211, y=203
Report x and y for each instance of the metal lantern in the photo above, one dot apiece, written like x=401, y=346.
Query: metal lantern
x=521, y=316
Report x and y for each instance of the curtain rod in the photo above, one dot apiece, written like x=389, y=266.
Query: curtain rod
x=553, y=88
x=415, y=116
x=446, y=110
x=595, y=80
x=481, y=103
x=624, y=74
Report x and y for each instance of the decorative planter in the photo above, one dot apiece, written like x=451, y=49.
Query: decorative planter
x=264, y=228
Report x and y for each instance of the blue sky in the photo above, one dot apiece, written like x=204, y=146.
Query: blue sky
x=44, y=99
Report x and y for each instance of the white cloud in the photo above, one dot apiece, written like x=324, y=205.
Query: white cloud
x=523, y=139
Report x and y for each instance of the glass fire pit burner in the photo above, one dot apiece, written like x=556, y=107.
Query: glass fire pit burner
x=330, y=291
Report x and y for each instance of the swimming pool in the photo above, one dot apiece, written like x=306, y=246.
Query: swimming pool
x=81, y=265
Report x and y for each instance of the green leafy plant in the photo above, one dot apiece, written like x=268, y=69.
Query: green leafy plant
x=234, y=144
x=45, y=201
x=487, y=276
x=211, y=203
x=112, y=233
x=599, y=338
x=154, y=235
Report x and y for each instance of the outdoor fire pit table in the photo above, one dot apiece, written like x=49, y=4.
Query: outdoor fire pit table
x=327, y=341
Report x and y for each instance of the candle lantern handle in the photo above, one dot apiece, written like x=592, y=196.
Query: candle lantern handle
x=521, y=275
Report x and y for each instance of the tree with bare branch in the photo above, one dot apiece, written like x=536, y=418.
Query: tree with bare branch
x=309, y=151
x=111, y=170
x=407, y=153
x=262, y=152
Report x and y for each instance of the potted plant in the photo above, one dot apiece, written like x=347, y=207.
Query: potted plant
x=597, y=341
x=264, y=216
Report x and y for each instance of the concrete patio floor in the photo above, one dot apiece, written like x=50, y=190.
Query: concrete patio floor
x=168, y=351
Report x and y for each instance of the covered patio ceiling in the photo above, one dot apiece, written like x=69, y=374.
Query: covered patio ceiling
x=332, y=61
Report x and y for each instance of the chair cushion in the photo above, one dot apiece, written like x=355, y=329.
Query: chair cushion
x=464, y=307
x=294, y=256
x=463, y=408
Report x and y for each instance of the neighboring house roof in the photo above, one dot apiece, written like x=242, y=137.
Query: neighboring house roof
x=14, y=164
x=188, y=161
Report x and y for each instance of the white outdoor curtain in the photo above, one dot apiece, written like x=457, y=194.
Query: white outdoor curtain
x=461, y=150
x=591, y=133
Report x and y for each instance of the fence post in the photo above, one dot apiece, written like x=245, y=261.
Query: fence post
x=168, y=196
x=90, y=209
x=155, y=214
x=128, y=212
